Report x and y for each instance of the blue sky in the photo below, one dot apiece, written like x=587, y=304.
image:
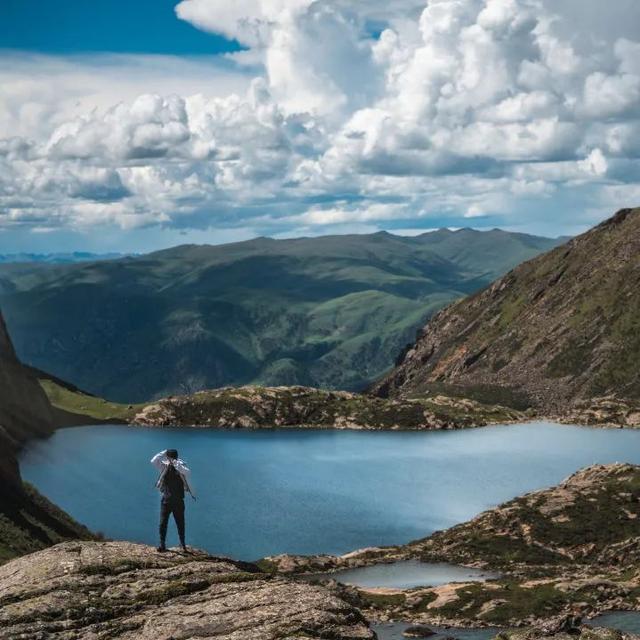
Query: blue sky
x=117, y=26
x=134, y=126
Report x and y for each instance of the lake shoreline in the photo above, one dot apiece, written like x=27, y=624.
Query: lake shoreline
x=607, y=576
x=542, y=418
x=309, y=487
x=378, y=604
x=416, y=443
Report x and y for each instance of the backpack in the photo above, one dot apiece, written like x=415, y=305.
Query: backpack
x=172, y=485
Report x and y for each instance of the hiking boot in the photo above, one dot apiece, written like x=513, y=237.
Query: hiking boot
x=161, y=549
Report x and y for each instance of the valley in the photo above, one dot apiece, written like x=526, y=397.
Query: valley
x=331, y=312
x=321, y=473
x=320, y=320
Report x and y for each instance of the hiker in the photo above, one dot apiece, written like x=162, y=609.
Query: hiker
x=172, y=482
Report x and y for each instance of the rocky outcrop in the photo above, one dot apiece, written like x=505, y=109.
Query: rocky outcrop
x=119, y=590
x=268, y=407
x=603, y=411
x=576, y=524
x=558, y=333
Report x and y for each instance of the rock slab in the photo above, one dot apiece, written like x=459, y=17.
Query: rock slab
x=126, y=591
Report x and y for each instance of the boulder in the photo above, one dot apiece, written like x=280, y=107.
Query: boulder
x=418, y=631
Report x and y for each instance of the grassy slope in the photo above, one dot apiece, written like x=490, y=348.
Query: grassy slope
x=80, y=404
x=331, y=312
x=493, y=252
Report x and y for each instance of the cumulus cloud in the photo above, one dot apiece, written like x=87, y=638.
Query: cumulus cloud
x=337, y=112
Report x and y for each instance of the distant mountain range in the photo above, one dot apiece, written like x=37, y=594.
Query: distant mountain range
x=332, y=312
x=560, y=333
x=57, y=258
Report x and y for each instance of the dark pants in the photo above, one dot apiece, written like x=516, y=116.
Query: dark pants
x=173, y=506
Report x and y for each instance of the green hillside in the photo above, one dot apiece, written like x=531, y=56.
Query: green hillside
x=331, y=312
x=74, y=407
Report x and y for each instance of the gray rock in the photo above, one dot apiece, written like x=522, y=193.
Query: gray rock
x=120, y=590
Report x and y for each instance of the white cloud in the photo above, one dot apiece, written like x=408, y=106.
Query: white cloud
x=611, y=95
x=337, y=113
x=595, y=163
x=40, y=91
x=475, y=211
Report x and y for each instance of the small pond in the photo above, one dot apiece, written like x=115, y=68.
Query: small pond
x=628, y=621
x=408, y=574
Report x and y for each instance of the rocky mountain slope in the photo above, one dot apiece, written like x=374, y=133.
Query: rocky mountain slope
x=331, y=312
x=269, y=407
x=125, y=591
x=589, y=521
x=24, y=409
x=28, y=521
x=569, y=549
x=560, y=332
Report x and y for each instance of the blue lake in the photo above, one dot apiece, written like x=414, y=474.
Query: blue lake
x=309, y=491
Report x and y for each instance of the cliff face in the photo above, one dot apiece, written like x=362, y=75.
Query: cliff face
x=24, y=409
x=28, y=521
x=560, y=332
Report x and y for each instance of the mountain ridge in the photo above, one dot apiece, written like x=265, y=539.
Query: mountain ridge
x=57, y=258
x=560, y=330
x=330, y=312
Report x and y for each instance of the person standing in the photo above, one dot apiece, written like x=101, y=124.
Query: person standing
x=172, y=484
